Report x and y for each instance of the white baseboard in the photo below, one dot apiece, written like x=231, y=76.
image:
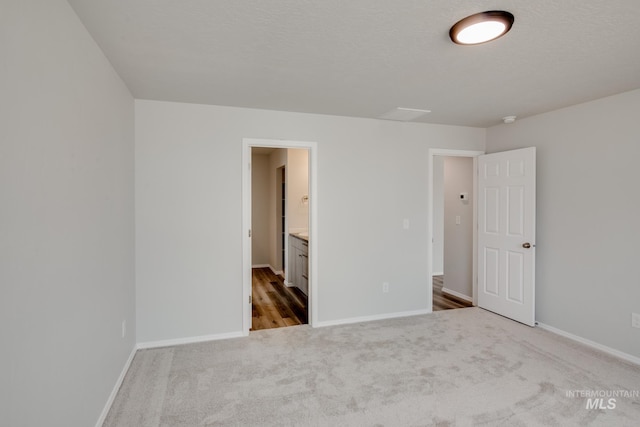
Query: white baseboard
x=156, y=344
x=593, y=344
x=188, y=340
x=437, y=273
x=114, y=392
x=273, y=270
x=278, y=272
x=371, y=318
x=457, y=295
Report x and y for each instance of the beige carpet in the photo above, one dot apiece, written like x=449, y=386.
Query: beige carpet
x=457, y=367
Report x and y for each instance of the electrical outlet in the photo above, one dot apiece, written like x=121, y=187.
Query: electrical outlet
x=385, y=287
x=635, y=320
x=405, y=224
x=124, y=328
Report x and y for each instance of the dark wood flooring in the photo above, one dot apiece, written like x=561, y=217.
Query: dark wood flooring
x=443, y=301
x=274, y=304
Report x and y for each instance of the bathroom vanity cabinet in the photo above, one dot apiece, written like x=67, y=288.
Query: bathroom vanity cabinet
x=298, y=262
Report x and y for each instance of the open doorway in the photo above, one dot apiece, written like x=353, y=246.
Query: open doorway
x=452, y=232
x=280, y=225
x=453, y=213
x=279, y=228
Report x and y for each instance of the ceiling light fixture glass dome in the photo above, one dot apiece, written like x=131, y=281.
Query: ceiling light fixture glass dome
x=481, y=27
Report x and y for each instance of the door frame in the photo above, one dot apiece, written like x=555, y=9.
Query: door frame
x=452, y=153
x=247, y=144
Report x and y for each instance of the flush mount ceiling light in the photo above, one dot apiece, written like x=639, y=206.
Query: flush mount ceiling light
x=481, y=27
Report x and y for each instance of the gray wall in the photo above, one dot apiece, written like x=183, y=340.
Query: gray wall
x=438, y=215
x=66, y=219
x=260, y=193
x=588, y=204
x=277, y=160
x=371, y=175
x=458, y=238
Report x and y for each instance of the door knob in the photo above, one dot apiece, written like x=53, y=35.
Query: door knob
x=526, y=245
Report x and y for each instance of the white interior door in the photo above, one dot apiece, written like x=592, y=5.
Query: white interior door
x=506, y=233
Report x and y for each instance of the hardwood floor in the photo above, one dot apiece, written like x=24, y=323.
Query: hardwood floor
x=274, y=304
x=277, y=306
x=443, y=301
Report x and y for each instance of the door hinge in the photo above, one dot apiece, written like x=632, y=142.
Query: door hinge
x=249, y=232
x=250, y=300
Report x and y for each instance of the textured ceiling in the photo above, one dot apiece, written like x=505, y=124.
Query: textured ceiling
x=365, y=57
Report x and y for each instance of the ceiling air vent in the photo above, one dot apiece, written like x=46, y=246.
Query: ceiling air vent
x=404, y=114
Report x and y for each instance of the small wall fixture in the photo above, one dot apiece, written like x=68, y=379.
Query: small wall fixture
x=481, y=27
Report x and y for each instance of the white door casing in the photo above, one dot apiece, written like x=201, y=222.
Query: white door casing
x=451, y=153
x=506, y=233
x=247, y=144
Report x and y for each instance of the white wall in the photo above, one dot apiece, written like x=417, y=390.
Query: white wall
x=297, y=188
x=260, y=209
x=66, y=219
x=371, y=175
x=458, y=238
x=438, y=215
x=587, y=216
